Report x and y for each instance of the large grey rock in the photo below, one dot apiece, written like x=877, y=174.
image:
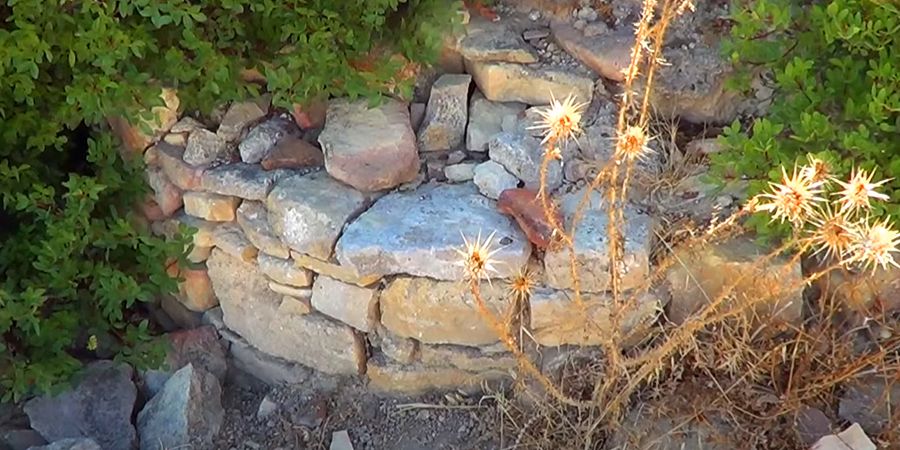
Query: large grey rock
x=446, y=115
x=418, y=233
x=492, y=179
x=522, y=156
x=247, y=181
x=251, y=309
x=356, y=306
x=369, y=148
x=98, y=407
x=253, y=218
x=592, y=248
x=504, y=82
x=187, y=412
x=198, y=346
x=486, y=120
x=492, y=41
x=693, y=86
x=205, y=147
x=309, y=212
x=262, y=138
x=70, y=444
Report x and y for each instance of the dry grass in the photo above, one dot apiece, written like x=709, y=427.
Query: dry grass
x=723, y=364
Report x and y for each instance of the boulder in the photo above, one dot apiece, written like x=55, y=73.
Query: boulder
x=486, y=119
x=356, y=306
x=418, y=233
x=263, y=138
x=198, y=346
x=98, y=407
x=775, y=288
x=504, y=82
x=369, y=148
x=522, y=156
x=309, y=212
x=251, y=309
x=492, y=179
x=186, y=412
x=440, y=312
x=444, y=125
x=592, y=247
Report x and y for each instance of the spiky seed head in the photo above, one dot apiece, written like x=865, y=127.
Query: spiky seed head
x=632, y=144
x=560, y=121
x=522, y=284
x=793, y=199
x=816, y=170
x=858, y=191
x=874, y=245
x=832, y=232
x=476, y=257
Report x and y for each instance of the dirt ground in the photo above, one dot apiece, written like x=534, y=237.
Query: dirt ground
x=304, y=417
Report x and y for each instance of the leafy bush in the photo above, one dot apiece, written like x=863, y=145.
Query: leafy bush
x=837, y=97
x=74, y=258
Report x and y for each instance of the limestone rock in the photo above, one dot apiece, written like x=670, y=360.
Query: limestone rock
x=525, y=206
x=186, y=124
x=557, y=320
x=165, y=193
x=195, y=290
x=369, y=148
x=859, y=292
x=188, y=411
x=471, y=359
x=263, y=138
x=202, y=230
x=504, y=82
x=296, y=305
x=592, y=251
x=198, y=346
x=254, y=220
x=356, y=306
x=486, y=119
x=293, y=152
x=490, y=41
x=417, y=233
x=205, y=147
x=70, y=444
x=254, y=311
x=439, y=312
x=98, y=407
x=290, y=291
x=457, y=173
x=284, y=271
x=247, y=181
x=492, y=179
x=702, y=275
x=387, y=376
x=853, y=438
x=870, y=403
x=336, y=271
x=309, y=212
x=163, y=118
x=400, y=349
x=269, y=369
x=444, y=125
x=608, y=54
x=693, y=86
x=211, y=207
x=229, y=238
x=182, y=174
x=239, y=118
x=522, y=155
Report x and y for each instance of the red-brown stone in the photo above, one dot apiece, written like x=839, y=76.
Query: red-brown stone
x=525, y=206
x=311, y=115
x=293, y=153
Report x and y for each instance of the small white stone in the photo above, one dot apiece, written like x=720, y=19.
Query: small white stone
x=492, y=179
x=458, y=173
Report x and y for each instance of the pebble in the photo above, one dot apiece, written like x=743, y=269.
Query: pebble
x=540, y=33
x=579, y=24
x=534, y=15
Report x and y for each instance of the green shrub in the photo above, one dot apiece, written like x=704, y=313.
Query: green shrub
x=73, y=257
x=836, y=68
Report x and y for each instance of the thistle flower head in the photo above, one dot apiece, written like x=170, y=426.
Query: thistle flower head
x=874, y=245
x=858, y=191
x=522, y=284
x=561, y=120
x=632, y=144
x=832, y=232
x=792, y=199
x=817, y=170
x=476, y=257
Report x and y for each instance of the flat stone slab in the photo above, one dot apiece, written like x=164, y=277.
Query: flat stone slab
x=247, y=181
x=592, y=248
x=309, y=212
x=505, y=82
x=490, y=41
x=418, y=233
